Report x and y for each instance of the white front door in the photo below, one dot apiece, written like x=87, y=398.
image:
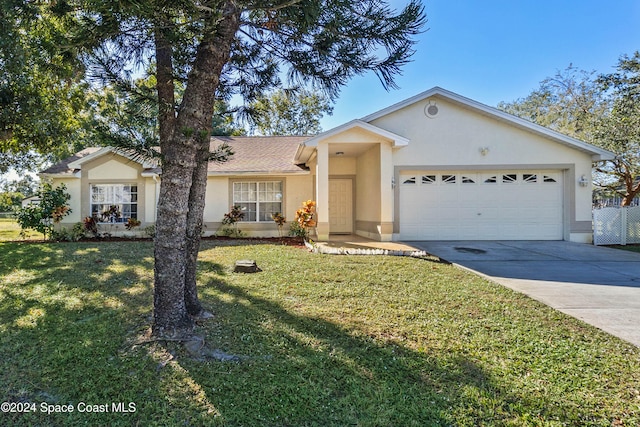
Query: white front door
x=340, y=206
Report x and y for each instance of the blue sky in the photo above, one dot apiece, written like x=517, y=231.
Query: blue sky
x=499, y=50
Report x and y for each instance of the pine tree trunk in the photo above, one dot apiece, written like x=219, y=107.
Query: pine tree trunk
x=177, y=237
x=194, y=231
x=170, y=314
x=169, y=311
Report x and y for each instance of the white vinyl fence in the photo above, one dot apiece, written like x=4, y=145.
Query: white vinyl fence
x=616, y=226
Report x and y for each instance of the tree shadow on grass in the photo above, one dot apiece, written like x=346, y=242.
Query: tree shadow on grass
x=304, y=370
x=66, y=313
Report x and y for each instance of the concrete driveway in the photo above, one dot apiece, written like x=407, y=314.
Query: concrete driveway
x=598, y=285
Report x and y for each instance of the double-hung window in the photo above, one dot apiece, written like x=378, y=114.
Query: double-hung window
x=258, y=200
x=114, y=202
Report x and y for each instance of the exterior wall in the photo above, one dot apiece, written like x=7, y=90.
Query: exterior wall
x=152, y=191
x=217, y=203
x=342, y=166
x=456, y=137
x=219, y=198
x=74, y=190
x=108, y=168
x=368, y=188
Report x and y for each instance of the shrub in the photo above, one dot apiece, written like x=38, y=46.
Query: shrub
x=132, y=223
x=150, y=231
x=91, y=225
x=232, y=218
x=72, y=234
x=295, y=230
x=280, y=220
x=305, y=216
x=51, y=209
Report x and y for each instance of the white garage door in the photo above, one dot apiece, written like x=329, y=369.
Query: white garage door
x=487, y=205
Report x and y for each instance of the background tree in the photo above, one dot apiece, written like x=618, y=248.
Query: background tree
x=217, y=49
x=41, y=88
x=603, y=110
x=12, y=192
x=619, y=130
x=288, y=112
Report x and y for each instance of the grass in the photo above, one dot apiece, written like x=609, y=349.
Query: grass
x=631, y=248
x=325, y=340
x=10, y=230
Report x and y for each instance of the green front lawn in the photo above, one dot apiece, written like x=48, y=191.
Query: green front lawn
x=323, y=341
x=10, y=230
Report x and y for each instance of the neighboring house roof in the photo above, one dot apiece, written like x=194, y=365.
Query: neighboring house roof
x=596, y=152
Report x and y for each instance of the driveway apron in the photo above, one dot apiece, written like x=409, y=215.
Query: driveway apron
x=598, y=285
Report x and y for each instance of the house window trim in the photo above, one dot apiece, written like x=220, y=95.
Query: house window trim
x=138, y=203
x=281, y=180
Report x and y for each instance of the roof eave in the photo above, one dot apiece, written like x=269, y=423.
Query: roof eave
x=396, y=140
x=596, y=152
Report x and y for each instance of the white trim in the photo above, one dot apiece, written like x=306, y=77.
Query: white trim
x=596, y=152
x=256, y=173
x=397, y=140
x=62, y=175
x=106, y=150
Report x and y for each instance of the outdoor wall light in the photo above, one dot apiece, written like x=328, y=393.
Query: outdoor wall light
x=339, y=153
x=484, y=150
x=583, y=181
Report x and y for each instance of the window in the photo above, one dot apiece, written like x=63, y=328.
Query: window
x=411, y=180
x=448, y=179
x=258, y=200
x=428, y=179
x=114, y=202
x=491, y=180
x=509, y=178
x=467, y=180
x=530, y=178
x=548, y=179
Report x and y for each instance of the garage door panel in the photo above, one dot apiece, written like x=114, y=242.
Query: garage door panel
x=483, y=206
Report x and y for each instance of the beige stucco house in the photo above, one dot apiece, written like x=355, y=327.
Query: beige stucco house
x=437, y=166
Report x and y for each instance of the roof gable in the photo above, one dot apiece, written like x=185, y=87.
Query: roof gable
x=437, y=92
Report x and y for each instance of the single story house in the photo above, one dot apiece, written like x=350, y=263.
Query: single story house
x=437, y=166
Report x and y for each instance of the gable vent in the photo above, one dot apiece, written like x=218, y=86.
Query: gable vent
x=431, y=110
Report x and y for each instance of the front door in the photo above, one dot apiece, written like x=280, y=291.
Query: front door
x=340, y=206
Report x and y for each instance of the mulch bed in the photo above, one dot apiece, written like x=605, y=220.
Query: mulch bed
x=297, y=242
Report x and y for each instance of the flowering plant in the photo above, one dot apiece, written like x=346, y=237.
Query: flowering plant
x=280, y=220
x=305, y=216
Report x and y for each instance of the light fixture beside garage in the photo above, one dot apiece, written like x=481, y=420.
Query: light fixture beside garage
x=484, y=150
x=583, y=181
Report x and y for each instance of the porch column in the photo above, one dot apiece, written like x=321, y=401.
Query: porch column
x=322, y=191
x=385, y=229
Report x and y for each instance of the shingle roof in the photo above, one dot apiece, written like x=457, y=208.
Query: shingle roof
x=269, y=154
x=257, y=155
x=62, y=167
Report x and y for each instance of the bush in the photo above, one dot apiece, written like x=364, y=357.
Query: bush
x=72, y=234
x=51, y=209
x=232, y=218
x=296, y=230
x=150, y=231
